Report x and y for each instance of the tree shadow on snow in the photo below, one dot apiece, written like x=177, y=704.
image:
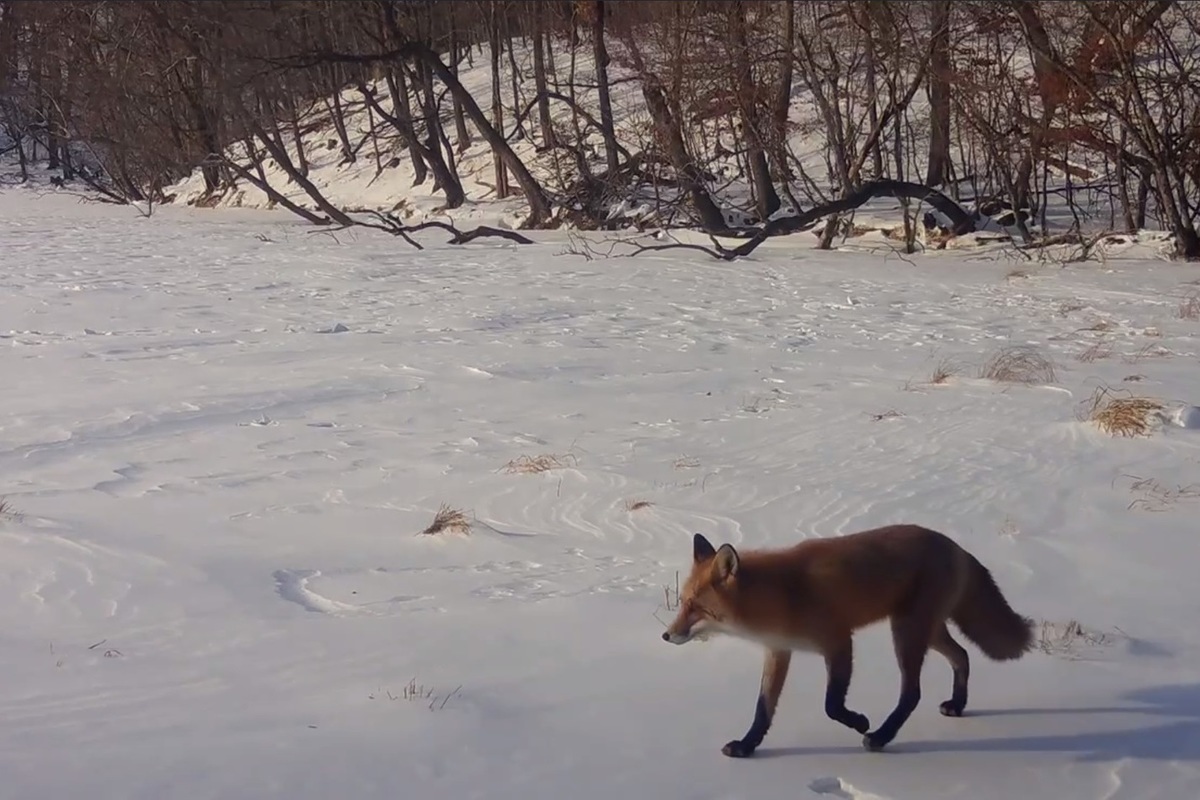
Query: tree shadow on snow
x=1175, y=739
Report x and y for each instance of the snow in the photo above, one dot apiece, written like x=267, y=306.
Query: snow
x=213, y=581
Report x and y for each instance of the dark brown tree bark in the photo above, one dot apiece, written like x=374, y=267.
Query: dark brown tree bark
x=501, y=174
x=766, y=199
x=607, y=127
x=939, y=163
x=539, y=77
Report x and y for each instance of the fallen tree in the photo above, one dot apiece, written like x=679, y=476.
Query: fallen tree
x=961, y=220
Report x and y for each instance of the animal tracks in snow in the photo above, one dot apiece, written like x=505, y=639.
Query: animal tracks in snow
x=385, y=591
x=840, y=789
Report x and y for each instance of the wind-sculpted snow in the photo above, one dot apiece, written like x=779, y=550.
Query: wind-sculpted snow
x=223, y=436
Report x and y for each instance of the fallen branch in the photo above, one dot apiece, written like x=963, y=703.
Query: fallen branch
x=389, y=223
x=961, y=220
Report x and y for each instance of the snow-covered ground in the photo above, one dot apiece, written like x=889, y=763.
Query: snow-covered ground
x=213, y=582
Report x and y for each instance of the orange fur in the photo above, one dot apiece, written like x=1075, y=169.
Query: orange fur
x=816, y=594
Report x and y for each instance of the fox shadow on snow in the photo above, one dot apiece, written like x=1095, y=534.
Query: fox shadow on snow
x=1171, y=734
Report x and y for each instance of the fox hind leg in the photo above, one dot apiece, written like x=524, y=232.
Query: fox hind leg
x=775, y=669
x=960, y=662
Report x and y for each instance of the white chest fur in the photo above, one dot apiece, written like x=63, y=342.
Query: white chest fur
x=771, y=641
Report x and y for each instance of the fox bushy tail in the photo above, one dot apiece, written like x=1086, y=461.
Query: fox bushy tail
x=985, y=617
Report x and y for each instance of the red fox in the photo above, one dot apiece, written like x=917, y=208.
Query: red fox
x=814, y=595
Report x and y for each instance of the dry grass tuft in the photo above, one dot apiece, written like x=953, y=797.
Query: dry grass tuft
x=8, y=512
x=1154, y=496
x=1096, y=351
x=686, y=462
x=542, y=463
x=891, y=413
x=637, y=505
x=1018, y=364
x=414, y=692
x=1069, y=306
x=671, y=599
x=1120, y=415
x=944, y=371
x=448, y=520
x=1190, y=307
x=1145, y=352
x=1070, y=639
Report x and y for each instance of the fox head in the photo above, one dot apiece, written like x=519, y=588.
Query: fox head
x=705, y=601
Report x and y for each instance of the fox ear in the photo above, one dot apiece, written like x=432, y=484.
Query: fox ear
x=702, y=550
x=727, y=562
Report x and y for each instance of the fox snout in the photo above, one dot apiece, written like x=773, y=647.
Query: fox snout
x=675, y=638
x=685, y=627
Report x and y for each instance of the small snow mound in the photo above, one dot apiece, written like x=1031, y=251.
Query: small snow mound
x=338, y=328
x=1183, y=417
x=836, y=787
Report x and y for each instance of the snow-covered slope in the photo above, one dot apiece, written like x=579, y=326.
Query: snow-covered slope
x=223, y=436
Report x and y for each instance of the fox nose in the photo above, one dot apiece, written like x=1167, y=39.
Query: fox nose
x=666, y=636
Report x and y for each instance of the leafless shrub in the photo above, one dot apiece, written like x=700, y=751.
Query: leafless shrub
x=543, y=463
x=448, y=520
x=1018, y=364
x=1126, y=415
x=1154, y=496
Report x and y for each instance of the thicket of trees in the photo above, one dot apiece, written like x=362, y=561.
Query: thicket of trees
x=1024, y=104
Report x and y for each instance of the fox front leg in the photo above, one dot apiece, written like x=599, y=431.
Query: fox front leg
x=839, y=665
x=775, y=669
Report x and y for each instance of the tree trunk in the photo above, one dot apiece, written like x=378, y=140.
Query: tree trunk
x=460, y=122
x=402, y=113
x=607, y=128
x=440, y=161
x=539, y=80
x=497, y=102
x=539, y=205
x=783, y=103
x=765, y=196
x=297, y=138
x=444, y=177
x=279, y=154
x=938, y=171
x=671, y=135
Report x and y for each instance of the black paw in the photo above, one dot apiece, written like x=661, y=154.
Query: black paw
x=859, y=722
x=951, y=709
x=738, y=749
x=875, y=741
